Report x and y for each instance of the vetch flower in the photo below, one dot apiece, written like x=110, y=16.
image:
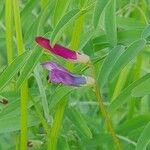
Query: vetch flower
x=62, y=51
x=59, y=74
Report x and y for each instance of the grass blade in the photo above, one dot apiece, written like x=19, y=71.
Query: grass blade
x=60, y=9
x=144, y=138
x=29, y=66
x=126, y=57
x=12, y=69
x=126, y=94
x=110, y=23
x=99, y=7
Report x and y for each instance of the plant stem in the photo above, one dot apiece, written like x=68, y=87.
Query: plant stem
x=9, y=32
x=24, y=88
x=55, y=130
x=24, y=115
x=104, y=112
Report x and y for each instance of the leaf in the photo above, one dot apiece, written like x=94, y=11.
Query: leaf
x=60, y=9
x=124, y=37
x=42, y=91
x=99, y=7
x=126, y=57
x=126, y=94
x=142, y=89
x=85, y=38
x=110, y=23
x=76, y=117
x=146, y=32
x=129, y=23
x=43, y=16
x=108, y=64
x=65, y=20
x=133, y=124
x=13, y=69
x=58, y=95
x=29, y=66
x=144, y=138
x=12, y=123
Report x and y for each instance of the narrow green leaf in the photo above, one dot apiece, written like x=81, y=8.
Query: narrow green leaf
x=124, y=37
x=110, y=23
x=108, y=64
x=29, y=66
x=43, y=17
x=60, y=9
x=129, y=23
x=144, y=138
x=77, y=118
x=42, y=91
x=142, y=89
x=126, y=94
x=99, y=7
x=65, y=20
x=58, y=95
x=146, y=32
x=85, y=38
x=13, y=69
x=126, y=57
x=133, y=124
x=12, y=123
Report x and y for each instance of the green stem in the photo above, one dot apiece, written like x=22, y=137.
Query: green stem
x=9, y=32
x=104, y=112
x=24, y=88
x=55, y=130
x=24, y=116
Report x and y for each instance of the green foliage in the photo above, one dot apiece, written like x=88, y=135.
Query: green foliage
x=116, y=36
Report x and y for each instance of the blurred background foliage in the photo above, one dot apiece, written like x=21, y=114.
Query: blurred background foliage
x=115, y=34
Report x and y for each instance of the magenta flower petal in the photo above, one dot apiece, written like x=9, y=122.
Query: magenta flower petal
x=62, y=51
x=56, y=49
x=59, y=74
x=43, y=42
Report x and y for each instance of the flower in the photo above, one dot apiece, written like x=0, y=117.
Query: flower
x=59, y=74
x=62, y=51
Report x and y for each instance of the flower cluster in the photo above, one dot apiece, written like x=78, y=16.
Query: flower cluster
x=58, y=73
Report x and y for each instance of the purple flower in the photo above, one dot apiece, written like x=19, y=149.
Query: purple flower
x=62, y=51
x=59, y=74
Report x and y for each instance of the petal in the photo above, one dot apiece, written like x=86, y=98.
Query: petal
x=56, y=49
x=43, y=42
x=64, y=52
x=67, y=78
x=49, y=65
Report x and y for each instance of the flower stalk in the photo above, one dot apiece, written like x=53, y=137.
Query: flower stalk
x=103, y=110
